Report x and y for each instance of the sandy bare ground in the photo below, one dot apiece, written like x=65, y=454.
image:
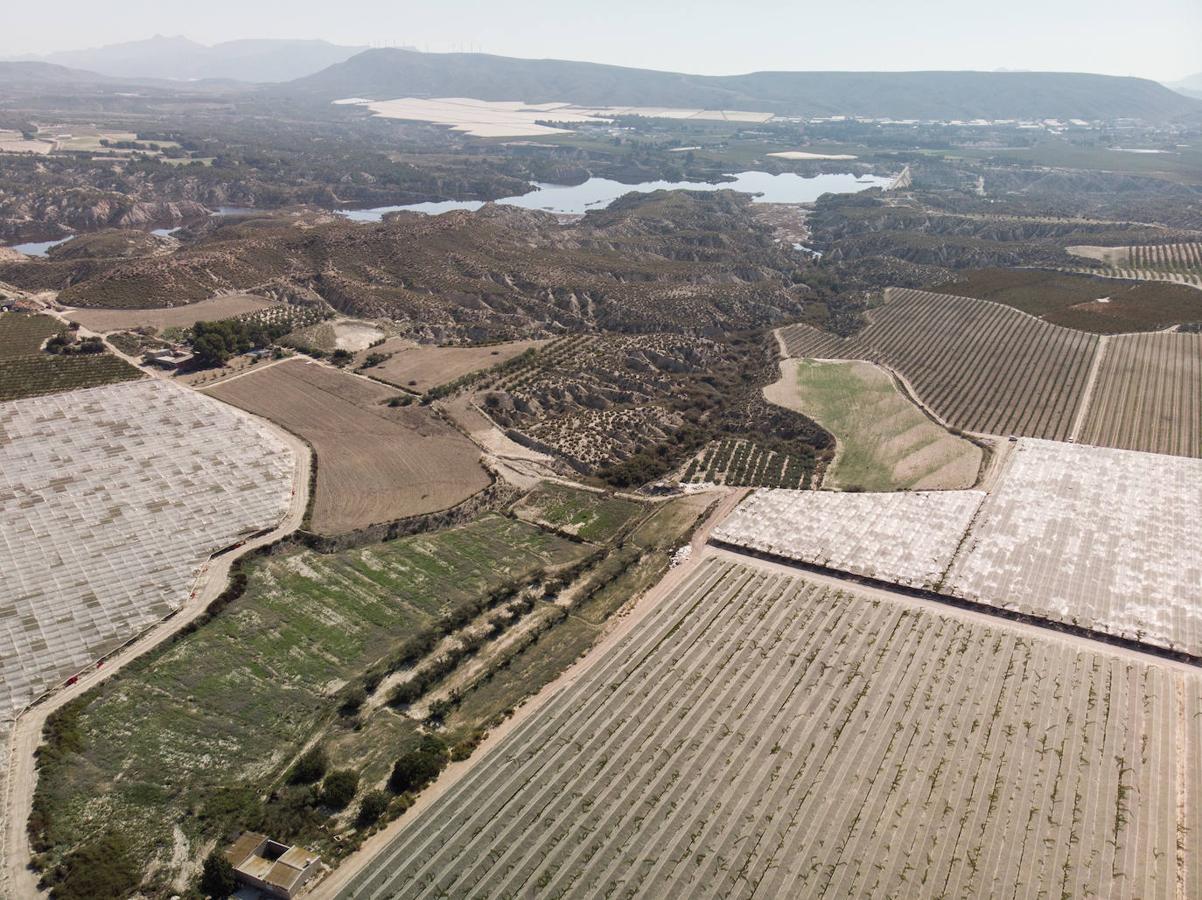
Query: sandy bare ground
x=620, y=627
x=221, y=307
x=514, y=118
x=520, y=466
x=419, y=367
x=375, y=463
x=1114, y=256
x=19, y=777
x=355, y=335
x=802, y=154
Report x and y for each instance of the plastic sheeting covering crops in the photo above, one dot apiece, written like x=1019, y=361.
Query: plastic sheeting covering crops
x=1106, y=539
x=111, y=501
x=905, y=538
x=1099, y=538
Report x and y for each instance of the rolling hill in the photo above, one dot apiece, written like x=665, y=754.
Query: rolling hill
x=181, y=59
x=389, y=73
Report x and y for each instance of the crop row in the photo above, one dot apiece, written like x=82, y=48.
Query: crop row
x=743, y=463
x=33, y=376
x=292, y=315
x=525, y=369
x=1170, y=257
x=1148, y=395
x=982, y=366
x=763, y=736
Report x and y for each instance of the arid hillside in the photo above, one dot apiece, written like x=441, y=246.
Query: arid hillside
x=648, y=263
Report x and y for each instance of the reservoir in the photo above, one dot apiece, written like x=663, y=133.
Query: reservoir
x=598, y=193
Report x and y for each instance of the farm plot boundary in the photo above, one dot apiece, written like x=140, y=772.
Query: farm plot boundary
x=779, y=738
x=375, y=463
x=1014, y=376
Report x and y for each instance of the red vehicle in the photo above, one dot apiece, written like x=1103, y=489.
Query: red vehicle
x=72, y=680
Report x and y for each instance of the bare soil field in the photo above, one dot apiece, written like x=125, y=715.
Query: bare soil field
x=1148, y=395
x=885, y=442
x=375, y=463
x=980, y=366
x=225, y=306
x=760, y=735
x=418, y=367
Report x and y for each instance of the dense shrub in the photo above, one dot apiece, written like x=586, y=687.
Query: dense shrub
x=310, y=767
x=418, y=767
x=217, y=876
x=374, y=805
x=99, y=870
x=339, y=787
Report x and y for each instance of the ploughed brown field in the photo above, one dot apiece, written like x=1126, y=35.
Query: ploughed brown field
x=223, y=307
x=419, y=368
x=375, y=463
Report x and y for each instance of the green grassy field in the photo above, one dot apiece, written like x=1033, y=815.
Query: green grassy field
x=27, y=371
x=1072, y=300
x=885, y=442
x=589, y=516
x=196, y=734
x=623, y=574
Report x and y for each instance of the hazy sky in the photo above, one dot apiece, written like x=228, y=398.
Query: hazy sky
x=1155, y=38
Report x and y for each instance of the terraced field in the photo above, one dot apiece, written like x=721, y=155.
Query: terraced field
x=981, y=366
x=1148, y=394
x=589, y=516
x=760, y=735
x=418, y=368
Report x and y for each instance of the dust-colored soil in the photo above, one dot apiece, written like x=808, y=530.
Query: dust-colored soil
x=375, y=463
x=419, y=368
x=222, y=307
x=353, y=335
x=885, y=442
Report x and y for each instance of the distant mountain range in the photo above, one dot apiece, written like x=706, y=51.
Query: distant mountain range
x=181, y=59
x=321, y=72
x=1191, y=86
x=389, y=73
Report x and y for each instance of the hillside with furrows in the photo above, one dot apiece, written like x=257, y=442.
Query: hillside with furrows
x=666, y=261
x=637, y=405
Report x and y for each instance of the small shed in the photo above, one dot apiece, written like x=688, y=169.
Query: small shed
x=279, y=870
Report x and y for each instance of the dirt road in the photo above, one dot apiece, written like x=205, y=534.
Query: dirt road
x=337, y=881
x=19, y=776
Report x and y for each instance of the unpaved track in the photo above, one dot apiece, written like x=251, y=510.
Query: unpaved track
x=17, y=784
x=353, y=865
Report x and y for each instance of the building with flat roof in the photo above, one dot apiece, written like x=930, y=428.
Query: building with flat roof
x=274, y=868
